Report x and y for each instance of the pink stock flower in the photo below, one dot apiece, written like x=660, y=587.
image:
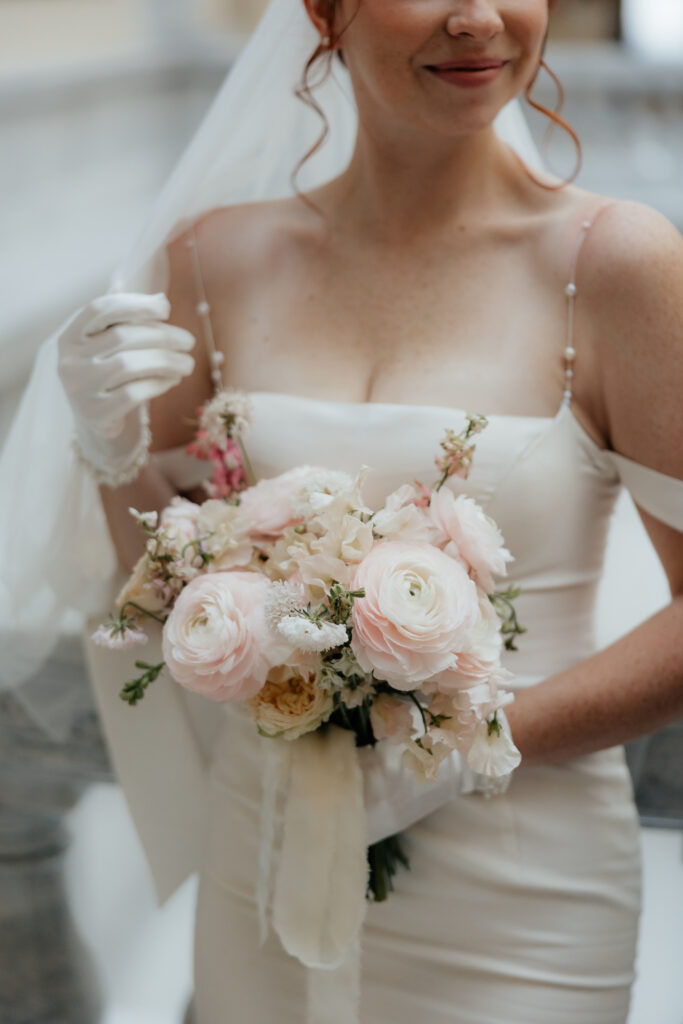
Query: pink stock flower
x=418, y=609
x=229, y=475
x=215, y=640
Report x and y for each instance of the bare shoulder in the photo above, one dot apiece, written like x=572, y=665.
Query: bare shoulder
x=632, y=279
x=219, y=256
x=633, y=244
x=235, y=240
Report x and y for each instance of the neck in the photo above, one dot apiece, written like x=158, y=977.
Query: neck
x=395, y=192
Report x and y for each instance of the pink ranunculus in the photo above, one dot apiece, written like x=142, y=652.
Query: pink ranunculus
x=466, y=532
x=480, y=656
x=268, y=504
x=418, y=610
x=215, y=641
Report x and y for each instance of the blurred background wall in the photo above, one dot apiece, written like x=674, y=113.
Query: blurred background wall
x=97, y=100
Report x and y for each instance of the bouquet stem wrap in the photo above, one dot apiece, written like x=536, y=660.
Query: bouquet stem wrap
x=319, y=899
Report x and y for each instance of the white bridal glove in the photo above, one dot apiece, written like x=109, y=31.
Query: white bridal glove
x=395, y=798
x=114, y=355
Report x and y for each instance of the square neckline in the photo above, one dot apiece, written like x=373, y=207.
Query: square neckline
x=448, y=409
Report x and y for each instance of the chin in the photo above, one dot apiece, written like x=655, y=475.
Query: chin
x=462, y=123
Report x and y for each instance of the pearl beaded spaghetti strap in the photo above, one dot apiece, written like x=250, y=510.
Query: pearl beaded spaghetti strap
x=570, y=292
x=204, y=312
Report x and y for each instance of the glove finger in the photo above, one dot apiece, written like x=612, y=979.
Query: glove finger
x=127, y=337
x=144, y=364
x=117, y=308
x=120, y=403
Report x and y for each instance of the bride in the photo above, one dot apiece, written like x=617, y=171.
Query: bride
x=426, y=270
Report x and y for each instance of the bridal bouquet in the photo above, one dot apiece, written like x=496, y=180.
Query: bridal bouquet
x=291, y=595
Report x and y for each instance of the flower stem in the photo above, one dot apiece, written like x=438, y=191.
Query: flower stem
x=143, y=611
x=247, y=463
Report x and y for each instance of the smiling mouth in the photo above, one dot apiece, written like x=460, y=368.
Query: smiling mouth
x=482, y=67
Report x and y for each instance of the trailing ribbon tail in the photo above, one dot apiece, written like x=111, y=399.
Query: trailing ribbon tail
x=275, y=761
x=319, y=903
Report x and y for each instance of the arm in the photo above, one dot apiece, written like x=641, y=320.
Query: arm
x=633, y=288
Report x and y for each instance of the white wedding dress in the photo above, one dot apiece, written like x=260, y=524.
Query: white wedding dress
x=522, y=909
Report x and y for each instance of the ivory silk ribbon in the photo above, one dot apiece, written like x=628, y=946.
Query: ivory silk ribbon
x=319, y=901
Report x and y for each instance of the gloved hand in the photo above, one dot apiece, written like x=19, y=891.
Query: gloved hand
x=395, y=798
x=114, y=355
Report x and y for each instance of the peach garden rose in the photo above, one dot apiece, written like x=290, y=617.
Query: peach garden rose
x=290, y=703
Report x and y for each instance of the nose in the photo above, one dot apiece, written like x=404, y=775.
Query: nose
x=478, y=19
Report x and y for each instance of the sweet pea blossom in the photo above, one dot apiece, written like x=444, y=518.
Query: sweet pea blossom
x=493, y=751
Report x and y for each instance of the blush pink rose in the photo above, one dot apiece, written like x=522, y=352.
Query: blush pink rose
x=466, y=532
x=418, y=609
x=268, y=504
x=214, y=641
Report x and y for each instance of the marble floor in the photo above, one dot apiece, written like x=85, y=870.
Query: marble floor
x=144, y=953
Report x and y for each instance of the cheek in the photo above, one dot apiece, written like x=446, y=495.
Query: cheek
x=526, y=22
x=389, y=35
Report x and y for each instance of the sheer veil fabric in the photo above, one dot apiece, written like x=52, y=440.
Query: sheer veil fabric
x=56, y=555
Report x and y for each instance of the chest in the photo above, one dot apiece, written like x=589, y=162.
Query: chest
x=479, y=325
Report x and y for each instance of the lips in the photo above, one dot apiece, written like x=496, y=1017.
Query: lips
x=479, y=64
